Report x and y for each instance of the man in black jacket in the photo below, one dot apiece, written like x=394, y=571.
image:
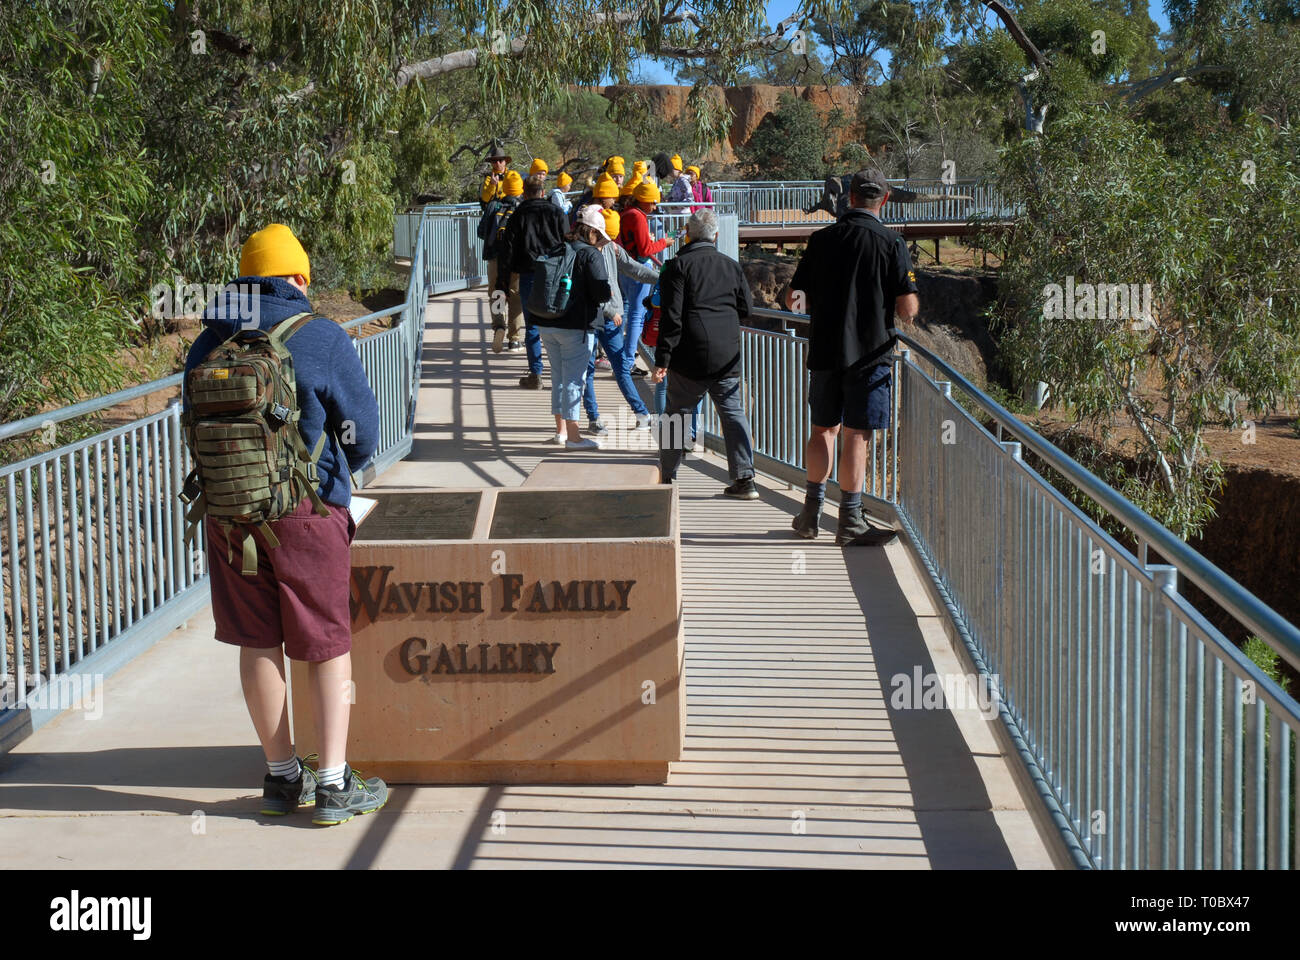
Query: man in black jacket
x=704, y=298
x=535, y=228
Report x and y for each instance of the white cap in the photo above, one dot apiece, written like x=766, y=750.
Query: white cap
x=590, y=216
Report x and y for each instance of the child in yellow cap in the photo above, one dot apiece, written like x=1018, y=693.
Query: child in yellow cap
x=307, y=544
x=557, y=195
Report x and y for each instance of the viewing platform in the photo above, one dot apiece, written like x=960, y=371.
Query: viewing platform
x=797, y=751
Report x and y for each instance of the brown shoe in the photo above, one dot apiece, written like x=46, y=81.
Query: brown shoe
x=531, y=382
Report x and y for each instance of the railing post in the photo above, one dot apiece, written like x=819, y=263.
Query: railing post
x=1164, y=580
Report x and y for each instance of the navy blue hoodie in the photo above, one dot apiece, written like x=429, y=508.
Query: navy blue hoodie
x=332, y=384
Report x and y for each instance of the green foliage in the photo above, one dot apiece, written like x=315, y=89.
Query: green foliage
x=582, y=127
x=1265, y=657
x=856, y=43
x=73, y=180
x=1106, y=204
x=1087, y=45
x=788, y=144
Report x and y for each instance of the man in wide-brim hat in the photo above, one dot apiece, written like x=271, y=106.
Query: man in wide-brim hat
x=494, y=183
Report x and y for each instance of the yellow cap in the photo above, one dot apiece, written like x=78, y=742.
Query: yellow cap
x=615, y=166
x=514, y=183
x=631, y=184
x=563, y=180
x=274, y=252
x=605, y=187
x=611, y=221
x=639, y=166
x=539, y=166
x=616, y=159
x=646, y=192
x=677, y=161
x=694, y=172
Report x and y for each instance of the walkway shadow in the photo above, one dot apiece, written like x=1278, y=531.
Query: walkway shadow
x=62, y=782
x=950, y=801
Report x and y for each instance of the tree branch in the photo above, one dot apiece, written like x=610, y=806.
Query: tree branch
x=771, y=39
x=468, y=59
x=1150, y=85
x=1018, y=34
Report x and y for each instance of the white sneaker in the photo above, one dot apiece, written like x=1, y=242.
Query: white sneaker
x=560, y=439
x=587, y=443
x=642, y=421
x=498, y=339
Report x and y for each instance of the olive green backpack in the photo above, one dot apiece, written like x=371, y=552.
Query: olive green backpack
x=251, y=463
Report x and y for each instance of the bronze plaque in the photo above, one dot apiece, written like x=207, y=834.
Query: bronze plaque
x=541, y=514
x=420, y=516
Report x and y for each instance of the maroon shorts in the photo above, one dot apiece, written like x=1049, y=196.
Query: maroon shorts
x=300, y=594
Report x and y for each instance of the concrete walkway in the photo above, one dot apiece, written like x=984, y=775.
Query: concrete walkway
x=794, y=756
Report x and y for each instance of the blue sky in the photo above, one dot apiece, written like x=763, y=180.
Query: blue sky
x=777, y=10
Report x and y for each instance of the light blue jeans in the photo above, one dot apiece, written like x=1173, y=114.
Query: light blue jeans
x=567, y=352
x=634, y=315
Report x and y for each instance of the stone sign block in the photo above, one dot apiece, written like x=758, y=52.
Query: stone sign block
x=529, y=635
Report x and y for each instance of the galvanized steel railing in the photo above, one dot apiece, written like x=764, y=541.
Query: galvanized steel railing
x=94, y=565
x=1154, y=741
x=457, y=253
x=782, y=203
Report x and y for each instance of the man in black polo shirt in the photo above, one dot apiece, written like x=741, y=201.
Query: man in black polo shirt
x=853, y=277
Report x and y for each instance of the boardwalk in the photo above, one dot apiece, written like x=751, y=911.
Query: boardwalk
x=793, y=756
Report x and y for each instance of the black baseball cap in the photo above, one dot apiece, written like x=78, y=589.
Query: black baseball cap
x=870, y=184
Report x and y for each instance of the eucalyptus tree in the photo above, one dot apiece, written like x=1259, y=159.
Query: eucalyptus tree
x=1157, y=294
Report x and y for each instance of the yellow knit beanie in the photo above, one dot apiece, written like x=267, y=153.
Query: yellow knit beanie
x=646, y=193
x=539, y=166
x=514, y=183
x=274, y=252
x=611, y=221
x=605, y=187
x=563, y=180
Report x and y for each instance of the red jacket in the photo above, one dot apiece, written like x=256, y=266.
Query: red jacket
x=634, y=235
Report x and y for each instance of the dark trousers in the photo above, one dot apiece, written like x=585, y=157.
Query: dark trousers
x=532, y=339
x=674, y=426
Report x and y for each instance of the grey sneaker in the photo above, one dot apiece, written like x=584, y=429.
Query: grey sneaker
x=855, y=531
x=356, y=796
x=281, y=795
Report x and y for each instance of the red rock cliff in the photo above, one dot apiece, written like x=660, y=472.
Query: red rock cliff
x=749, y=105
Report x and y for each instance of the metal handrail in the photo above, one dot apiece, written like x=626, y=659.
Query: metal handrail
x=1248, y=609
x=1152, y=739
x=95, y=560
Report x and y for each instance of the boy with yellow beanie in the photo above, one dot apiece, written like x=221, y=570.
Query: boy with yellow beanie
x=296, y=599
x=558, y=198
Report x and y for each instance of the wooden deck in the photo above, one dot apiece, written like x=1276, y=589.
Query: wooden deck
x=794, y=757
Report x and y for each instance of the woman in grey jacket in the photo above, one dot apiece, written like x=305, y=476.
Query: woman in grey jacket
x=610, y=335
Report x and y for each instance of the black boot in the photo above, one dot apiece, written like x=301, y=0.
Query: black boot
x=807, y=524
x=854, y=530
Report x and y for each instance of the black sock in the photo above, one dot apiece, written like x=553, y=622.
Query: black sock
x=814, y=495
